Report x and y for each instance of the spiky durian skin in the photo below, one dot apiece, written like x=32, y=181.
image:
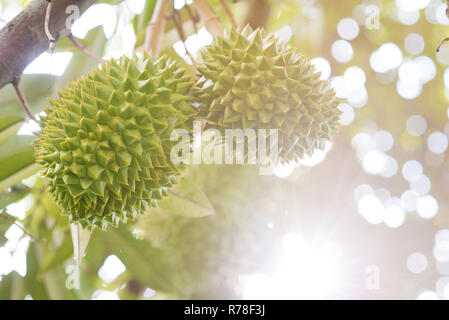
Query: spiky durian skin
x=104, y=149
x=251, y=80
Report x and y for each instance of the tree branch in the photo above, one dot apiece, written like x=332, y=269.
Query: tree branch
x=155, y=29
x=447, y=8
x=24, y=38
x=258, y=13
x=6, y=216
x=193, y=16
x=210, y=19
x=447, y=38
x=22, y=98
x=229, y=13
x=178, y=25
x=87, y=51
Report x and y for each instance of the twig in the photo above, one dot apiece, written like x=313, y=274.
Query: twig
x=447, y=38
x=23, y=38
x=50, y=37
x=155, y=28
x=194, y=17
x=229, y=13
x=210, y=19
x=442, y=42
x=22, y=98
x=13, y=221
x=447, y=9
x=178, y=25
x=211, y=210
x=83, y=48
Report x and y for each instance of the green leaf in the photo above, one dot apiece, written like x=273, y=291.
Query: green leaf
x=6, y=287
x=12, y=287
x=140, y=21
x=16, y=193
x=17, y=161
x=186, y=200
x=54, y=258
x=36, y=287
x=147, y=264
x=53, y=280
x=9, y=126
x=5, y=222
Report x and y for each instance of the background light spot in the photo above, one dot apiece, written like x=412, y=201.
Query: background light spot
x=437, y=142
x=416, y=125
x=417, y=262
x=342, y=51
x=427, y=207
x=414, y=43
x=348, y=29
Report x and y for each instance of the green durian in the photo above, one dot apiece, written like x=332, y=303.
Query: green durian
x=253, y=80
x=104, y=149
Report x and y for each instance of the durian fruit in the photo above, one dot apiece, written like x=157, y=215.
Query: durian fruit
x=104, y=149
x=251, y=80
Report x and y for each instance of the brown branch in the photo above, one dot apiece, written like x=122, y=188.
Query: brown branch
x=210, y=19
x=229, y=13
x=447, y=9
x=447, y=38
x=258, y=13
x=83, y=48
x=442, y=42
x=178, y=25
x=24, y=37
x=194, y=17
x=155, y=28
x=22, y=98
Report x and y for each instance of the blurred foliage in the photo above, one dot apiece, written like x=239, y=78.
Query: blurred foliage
x=183, y=250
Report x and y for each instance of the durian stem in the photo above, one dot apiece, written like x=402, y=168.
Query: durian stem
x=229, y=13
x=210, y=19
x=51, y=39
x=84, y=49
x=23, y=100
x=155, y=28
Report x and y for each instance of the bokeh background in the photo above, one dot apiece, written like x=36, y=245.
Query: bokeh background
x=367, y=218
